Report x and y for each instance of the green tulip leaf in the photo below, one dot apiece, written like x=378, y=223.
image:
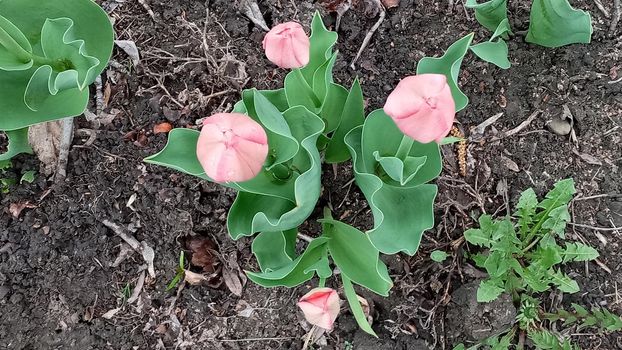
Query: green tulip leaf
x=275, y=250
x=297, y=272
x=333, y=106
x=489, y=13
x=73, y=38
x=554, y=23
x=401, y=171
x=495, y=52
x=503, y=30
x=322, y=42
x=15, y=49
x=299, y=92
x=323, y=77
x=353, y=115
x=321, y=268
x=254, y=212
x=401, y=213
x=449, y=65
x=18, y=143
x=356, y=257
x=355, y=306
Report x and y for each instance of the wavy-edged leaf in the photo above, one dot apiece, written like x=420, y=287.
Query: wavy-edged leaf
x=299, y=92
x=489, y=13
x=557, y=220
x=356, y=256
x=489, y=290
x=495, y=52
x=15, y=49
x=252, y=213
x=274, y=250
x=352, y=115
x=401, y=213
x=578, y=252
x=449, y=65
x=295, y=273
x=322, y=41
x=90, y=23
x=555, y=23
x=18, y=143
x=503, y=30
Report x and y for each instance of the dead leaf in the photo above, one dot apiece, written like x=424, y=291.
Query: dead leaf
x=252, y=11
x=16, y=208
x=194, y=278
x=244, y=309
x=202, y=250
x=391, y=3
x=149, y=256
x=232, y=281
x=162, y=128
x=111, y=313
x=44, y=138
x=588, y=158
x=510, y=164
x=129, y=47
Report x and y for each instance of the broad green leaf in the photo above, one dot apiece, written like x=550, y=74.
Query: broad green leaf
x=439, y=256
x=321, y=268
x=273, y=250
x=322, y=41
x=579, y=252
x=495, y=52
x=295, y=273
x=401, y=213
x=15, y=49
x=401, y=171
x=90, y=24
x=489, y=13
x=254, y=212
x=353, y=115
x=356, y=256
x=503, y=30
x=18, y=143
x=299, y=92
x=355, y=306
x=449, y=65
x=323, y=77
x=28, y=176
x=333, y=106
x=554, y=23
x=563, y=282
x=489, y=290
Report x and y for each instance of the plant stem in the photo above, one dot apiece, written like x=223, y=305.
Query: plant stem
x=322, y=283
x=57, y=65
x=405, y=146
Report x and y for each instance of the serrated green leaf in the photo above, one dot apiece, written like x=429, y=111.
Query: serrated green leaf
x=561, y=194
x=557, y=220
x=356, y=256
x=554, y=23
x=547, y=257
x=579, y=252
x=580, y=310
x=563, y=282
x=526, y=209
x=495, y=52
x=439, y=256
x=449, y=65
x=489, y=13
x=478, y=237
x=489, y=290
x=544, y=339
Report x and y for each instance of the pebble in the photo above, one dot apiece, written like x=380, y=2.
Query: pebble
x=560, y=127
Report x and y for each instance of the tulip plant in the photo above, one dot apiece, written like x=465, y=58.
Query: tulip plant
x=49, y=54
x=270, y=150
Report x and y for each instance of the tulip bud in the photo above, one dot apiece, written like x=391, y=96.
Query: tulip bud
x=422, y=107
x=320, y=307
x=232, y=147
x=287, y=45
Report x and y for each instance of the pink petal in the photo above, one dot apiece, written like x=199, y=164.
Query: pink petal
x=422, y=107
x=287, y=45
x=320, y=307
x=232, y=147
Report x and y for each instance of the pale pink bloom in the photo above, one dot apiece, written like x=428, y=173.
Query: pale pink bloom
x=320, y=307
x=287, y=45
x=232, y=147
x=422, y=107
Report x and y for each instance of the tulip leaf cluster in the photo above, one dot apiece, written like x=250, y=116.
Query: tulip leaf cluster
x=49, y=54
x=311, y=120
x=552, y=23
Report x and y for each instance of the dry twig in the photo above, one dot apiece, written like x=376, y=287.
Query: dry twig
x=147, y=8
x=602, y=8
x=370, y=33
x=616, y=17
x=63, y=149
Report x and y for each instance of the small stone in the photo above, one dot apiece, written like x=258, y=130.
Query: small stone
x=560, y=127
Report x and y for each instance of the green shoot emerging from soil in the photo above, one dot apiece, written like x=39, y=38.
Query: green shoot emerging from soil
x=523, y=258
x=179, y=275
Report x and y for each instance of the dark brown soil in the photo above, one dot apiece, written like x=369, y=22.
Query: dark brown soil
x=56, y=279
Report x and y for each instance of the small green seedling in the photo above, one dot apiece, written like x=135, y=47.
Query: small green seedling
x=439, y=256
x=179, y=275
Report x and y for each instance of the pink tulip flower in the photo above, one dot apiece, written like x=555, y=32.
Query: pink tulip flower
x=422, y=107
x=232, y=147
x=287, y=45
x=320, y=307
